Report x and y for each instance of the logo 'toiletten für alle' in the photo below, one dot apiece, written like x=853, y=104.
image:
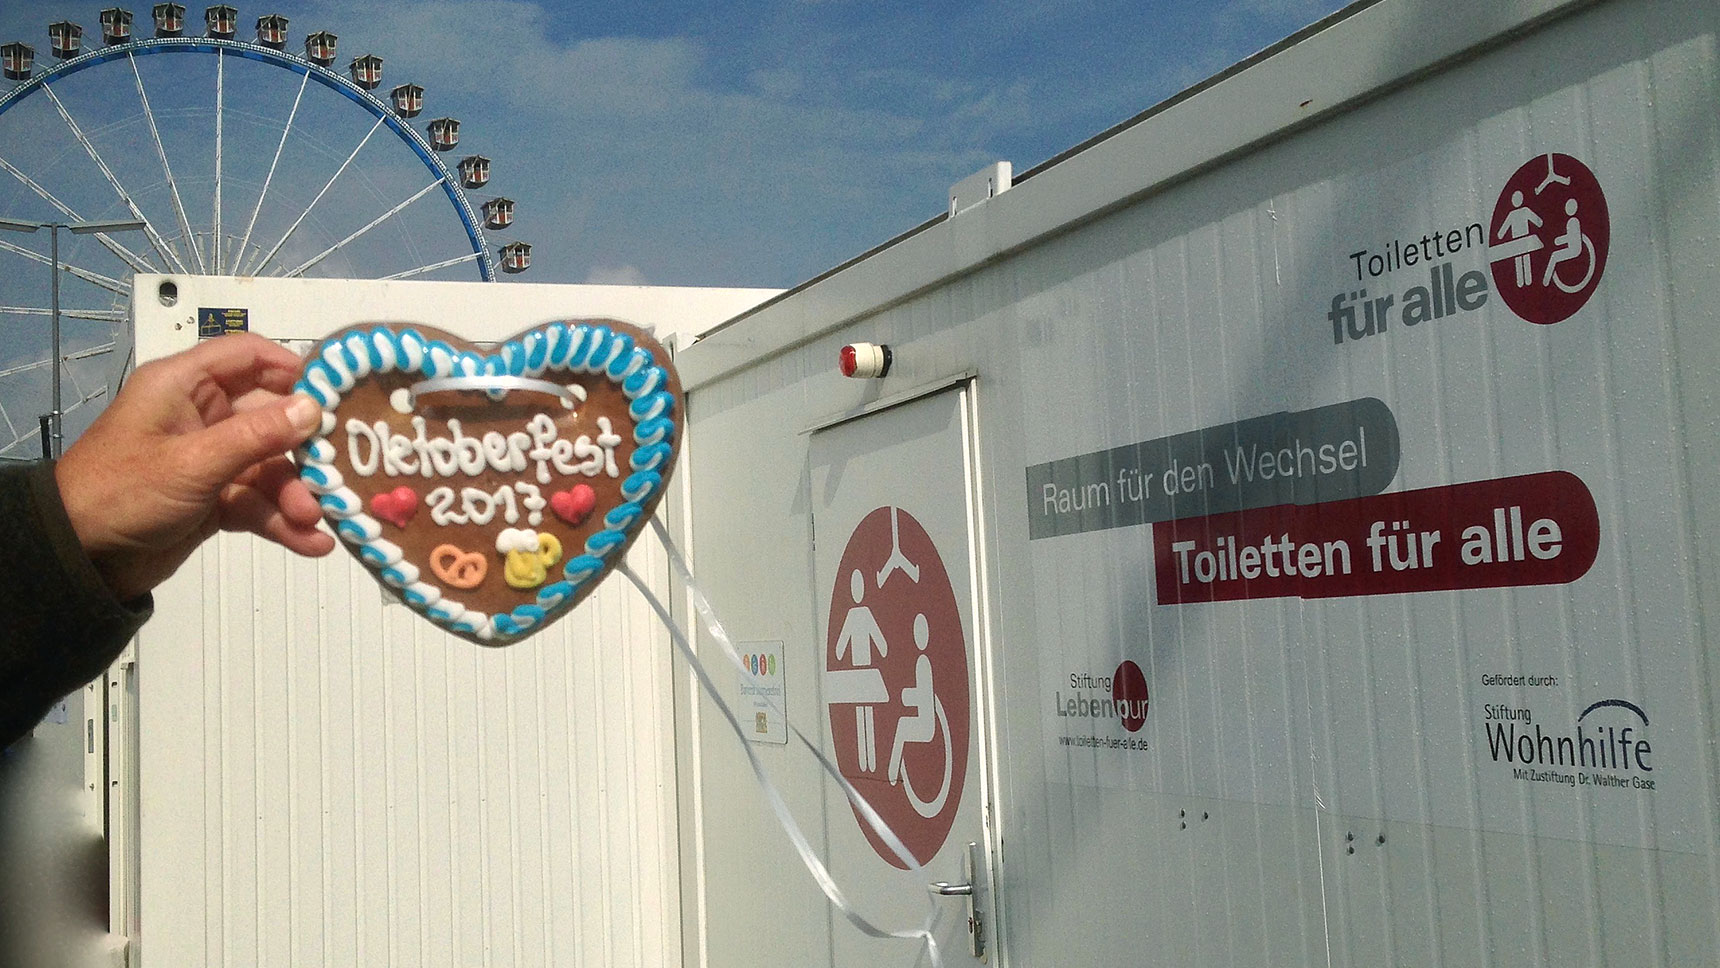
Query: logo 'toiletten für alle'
x=1544, y=250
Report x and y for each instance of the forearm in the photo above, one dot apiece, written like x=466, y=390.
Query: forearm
x=60, y=624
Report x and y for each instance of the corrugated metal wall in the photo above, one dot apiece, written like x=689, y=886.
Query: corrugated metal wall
x=328, y=780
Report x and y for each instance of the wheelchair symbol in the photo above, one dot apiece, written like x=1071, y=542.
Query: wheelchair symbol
x=1572, y=244
x=934, y=806
x=922, y=726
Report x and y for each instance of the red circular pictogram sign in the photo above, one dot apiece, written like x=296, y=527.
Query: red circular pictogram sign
x=896, y=681
x=1549, y=238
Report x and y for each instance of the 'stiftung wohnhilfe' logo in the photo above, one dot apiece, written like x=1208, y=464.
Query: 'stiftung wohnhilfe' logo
x=1607, y=746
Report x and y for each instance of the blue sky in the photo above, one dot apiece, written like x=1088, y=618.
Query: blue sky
x=755, y=143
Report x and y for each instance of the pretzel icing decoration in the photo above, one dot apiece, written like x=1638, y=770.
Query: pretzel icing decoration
x=460, y=569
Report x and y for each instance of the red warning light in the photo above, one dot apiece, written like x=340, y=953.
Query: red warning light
x=865, y=361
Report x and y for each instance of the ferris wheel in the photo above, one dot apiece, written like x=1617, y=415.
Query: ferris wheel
x=229, y=157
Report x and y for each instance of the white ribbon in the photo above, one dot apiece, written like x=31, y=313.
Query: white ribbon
x=487, y=382
x=772, y=795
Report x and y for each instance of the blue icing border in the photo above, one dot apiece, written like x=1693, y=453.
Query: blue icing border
x=337, y=363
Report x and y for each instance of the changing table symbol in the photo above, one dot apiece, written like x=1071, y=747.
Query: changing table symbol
x=896, y=680
x=863, y=685
x=1550, y=235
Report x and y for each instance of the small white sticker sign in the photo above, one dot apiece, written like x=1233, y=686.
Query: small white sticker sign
x=763, y=706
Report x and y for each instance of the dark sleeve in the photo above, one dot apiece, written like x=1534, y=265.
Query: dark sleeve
x=60, y=625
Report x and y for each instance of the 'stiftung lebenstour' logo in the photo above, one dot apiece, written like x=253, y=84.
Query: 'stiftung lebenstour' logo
x=1122, y=696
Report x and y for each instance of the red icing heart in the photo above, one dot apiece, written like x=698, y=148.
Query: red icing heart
x=574, y=504
x=396, y=506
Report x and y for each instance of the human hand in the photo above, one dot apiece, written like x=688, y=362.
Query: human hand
x=194, y=443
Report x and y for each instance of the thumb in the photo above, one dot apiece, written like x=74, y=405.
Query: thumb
x=220, y=452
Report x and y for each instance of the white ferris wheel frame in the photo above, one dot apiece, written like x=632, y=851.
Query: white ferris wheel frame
x=217, y=261
x=441, y=176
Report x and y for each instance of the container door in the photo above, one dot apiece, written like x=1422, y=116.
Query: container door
x=902, y=682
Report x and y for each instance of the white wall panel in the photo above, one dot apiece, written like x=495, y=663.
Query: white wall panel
x=331, y=780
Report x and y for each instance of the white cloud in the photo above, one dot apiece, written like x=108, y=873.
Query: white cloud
x=627, y=275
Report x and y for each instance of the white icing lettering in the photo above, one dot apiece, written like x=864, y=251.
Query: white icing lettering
x=397, y=455
x=441, y=501
x=608, y=439
x=496, y=449
x=505, y=498
x=363, y=466
x=478, y=506
x=468, y=451
x=517, y=444
x=471, y=498
x=422, y=446
x=443, y=457
x=562, y=453
x=533, y=500
x=542, y=430
x=591, y=458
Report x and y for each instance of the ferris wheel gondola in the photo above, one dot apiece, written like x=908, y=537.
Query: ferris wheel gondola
x=169, y=19
x=320, y=48
x=221, y=185
x=19, y=60
x=444, y=134
x=272, y=31
x=366, y=71
x=408, y=100
x=474, y=171
x=64, y=39
x=116, y=26
x=516, y=257
x=498, y=213
x=221, y=21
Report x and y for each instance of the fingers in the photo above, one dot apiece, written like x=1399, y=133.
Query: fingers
x=222, y=452
x=254, y=399
x=238, y=363
x=201, y=386
x=245, y=508
x=277, y=479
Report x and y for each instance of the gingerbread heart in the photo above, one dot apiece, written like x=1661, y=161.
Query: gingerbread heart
x=570, y=417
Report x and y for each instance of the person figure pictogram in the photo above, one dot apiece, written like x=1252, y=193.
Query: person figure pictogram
x=860, y=632
x=922, y=725
x=1569, y=246
x=1518, y=223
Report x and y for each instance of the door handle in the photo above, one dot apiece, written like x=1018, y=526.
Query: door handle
x=946, y=889
x=966, y=888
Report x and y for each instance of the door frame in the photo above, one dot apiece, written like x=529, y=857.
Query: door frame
x=982, y=654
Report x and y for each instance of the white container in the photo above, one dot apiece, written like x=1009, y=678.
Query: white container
x=305, y=774
x=1328, y=765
